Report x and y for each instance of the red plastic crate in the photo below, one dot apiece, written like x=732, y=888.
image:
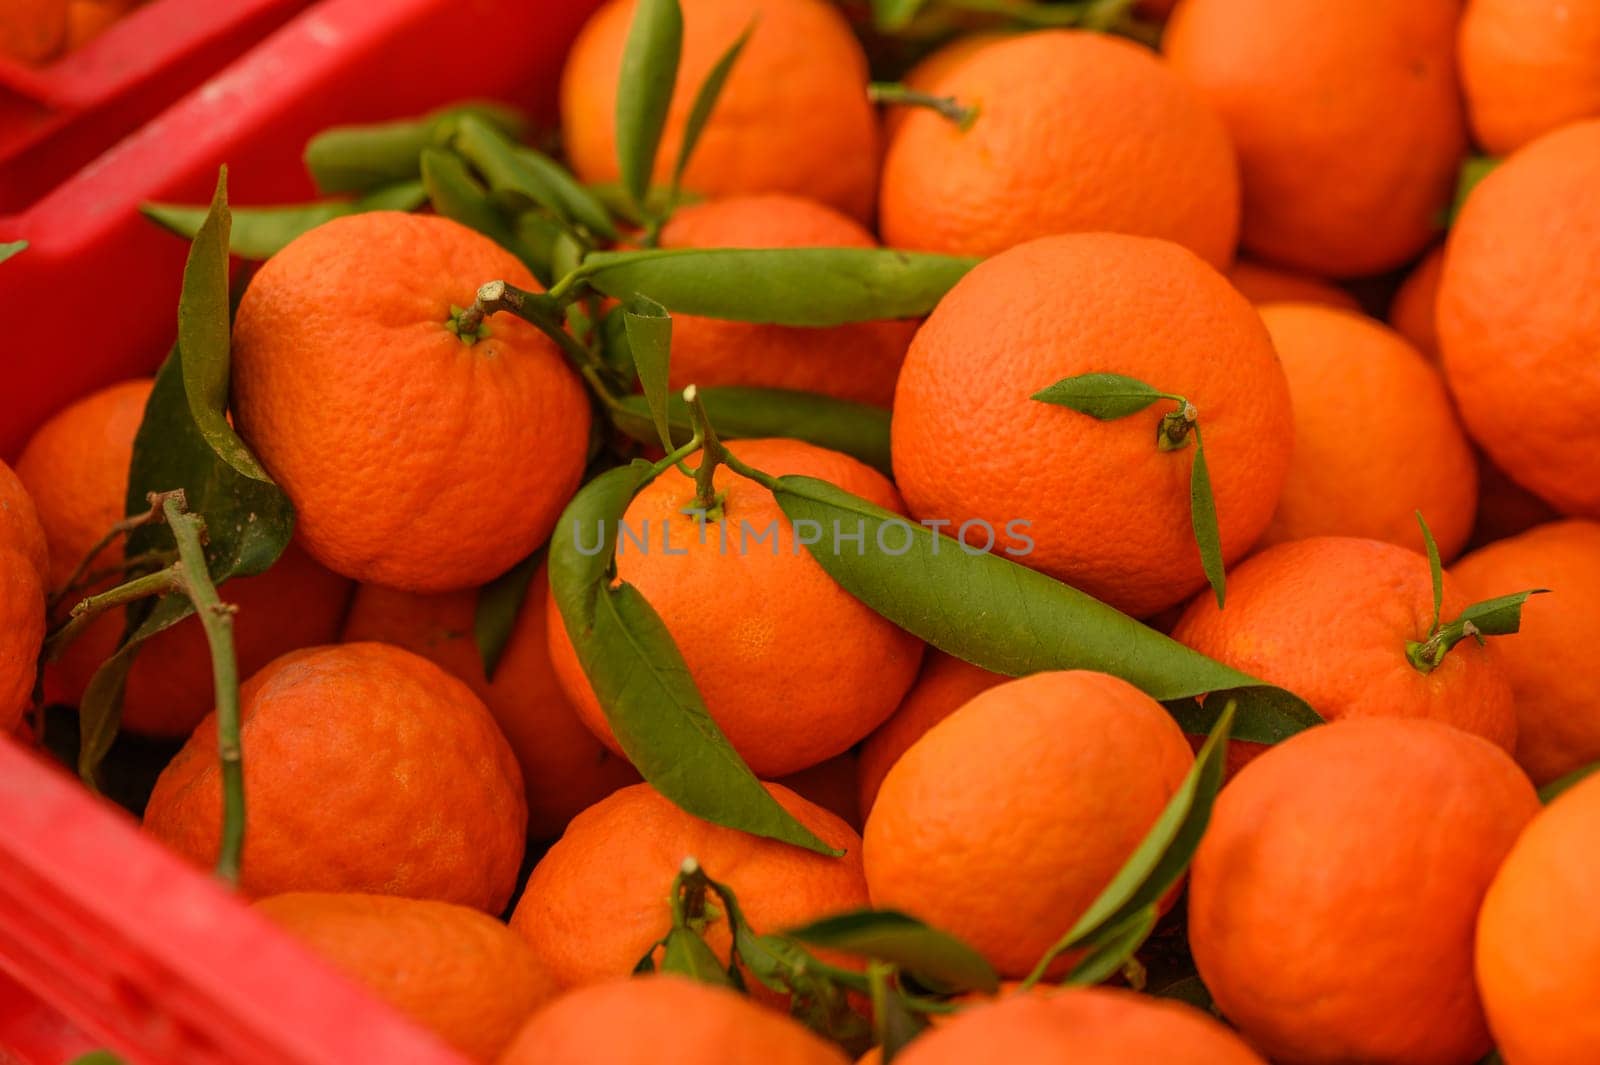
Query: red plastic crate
x=93, y=299
x=56, y=118
x=106, y=939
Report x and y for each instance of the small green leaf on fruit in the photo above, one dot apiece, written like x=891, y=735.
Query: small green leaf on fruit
x=649, y=331
x=1435, y=570
x=1106, y=396
x=1203, y=519
x=648, y=74
x=705, y=102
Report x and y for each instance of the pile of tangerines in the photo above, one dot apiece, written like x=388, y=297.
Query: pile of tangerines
x=717, y=542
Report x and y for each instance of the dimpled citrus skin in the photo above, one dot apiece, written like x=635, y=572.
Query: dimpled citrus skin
x=1528, y=67
x=859, y=361
x=1075, y=132
x=564, y=767
x=368, y=768
x=1538, y=957
x=664, y=1020
x=21, y=634
x=598, y=900
x=1412, y=312
x=1109, y=511
x=1075, y=765
x=1328, y=618
x=944, y=686
x=1260, y=283
x=457, y=972
x=1084, y=1026
x=32, y=31
x=1345, y=115
x=1333, y=897
x=1519, y=316
x=759, y=617
x=1551, y=659
x=413, y=460
x=1376, y=437
x=22, y=622
x=20, y=529
x=76, y=465
x=793, y=115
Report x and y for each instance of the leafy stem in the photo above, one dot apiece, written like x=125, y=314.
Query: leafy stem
x=544, y=311
x=707, y=500
x=189, y=576
x=75, y=580
x=1109, y=397
x=946, y=107
x=216, y=617
x=1499, y=616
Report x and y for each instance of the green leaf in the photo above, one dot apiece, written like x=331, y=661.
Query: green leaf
x=937, y=959
x=1435, y=571
x=1013, y=620
x=1111, y=949
x=261, y=232
x=205, y=336
x=658, y=202
x=891, y=15
x=1106, y=396
x=705, y=101
x=1203, y=519
x=572, y=199
x=531, y=175
x=499, y=605
x=856, y=429
x=649, y=331
x=640, y=677
x=644, y=90
x=686, y=954
x=1500, y=616
x=1473, y=171
x=1155, y=866
x=363, y=158
x=13, y=248
x=457, y=196
x=782, y=286
x=97, y=1057
x=1551, y=791
x=184, y=441
x=894, y=1022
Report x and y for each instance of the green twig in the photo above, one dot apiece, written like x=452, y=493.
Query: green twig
x=947, y=107
x=152, y=515
x=707, y=501
x=216, y=617
x=87, y=610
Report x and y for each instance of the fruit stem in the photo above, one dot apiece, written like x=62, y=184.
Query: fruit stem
x=216, y=617
x=707, y=500
x=150, y=516
x=1174, y=430
x=947, y=107
x=87, y=610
